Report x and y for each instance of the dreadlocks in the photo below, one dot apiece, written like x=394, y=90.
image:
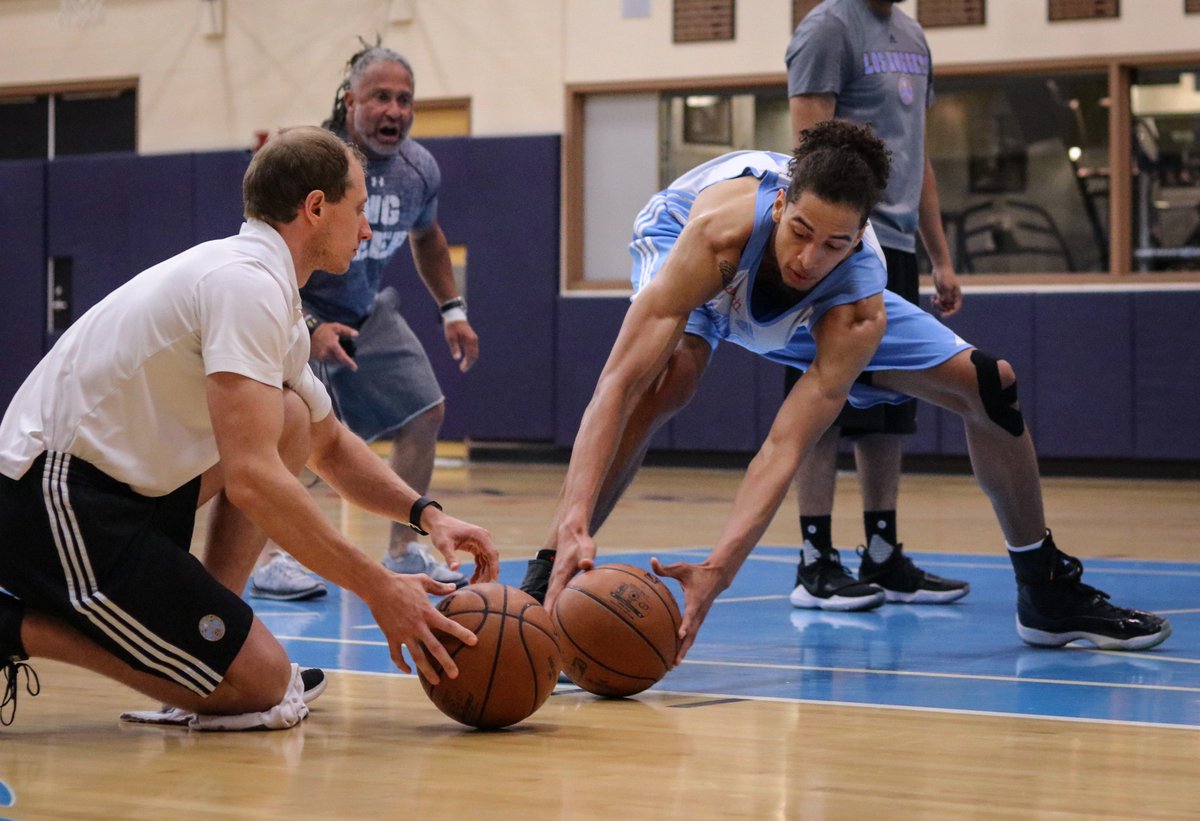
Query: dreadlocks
x=366, y=56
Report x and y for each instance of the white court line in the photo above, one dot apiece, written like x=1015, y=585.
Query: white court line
x=866, y=671
x=864, y=705
x=1095, y=569
x=320, y=640
x=953, y=676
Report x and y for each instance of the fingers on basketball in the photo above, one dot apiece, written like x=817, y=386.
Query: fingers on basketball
x=513, y=667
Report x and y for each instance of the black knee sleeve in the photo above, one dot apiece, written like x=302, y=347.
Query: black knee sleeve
x=999, y=403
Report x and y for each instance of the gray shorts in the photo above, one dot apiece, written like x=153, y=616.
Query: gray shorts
x=394, y=382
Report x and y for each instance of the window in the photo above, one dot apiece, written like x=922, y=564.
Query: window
x=53, y=122
x=1022, y=170
x=1165, y=109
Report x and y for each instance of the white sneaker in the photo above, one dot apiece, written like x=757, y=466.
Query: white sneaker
x=419, y=561
x=285, y=579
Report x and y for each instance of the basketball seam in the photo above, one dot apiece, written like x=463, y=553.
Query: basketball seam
x=487, y=693
x=599, y=663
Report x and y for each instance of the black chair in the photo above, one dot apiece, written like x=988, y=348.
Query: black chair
x=1008, y=235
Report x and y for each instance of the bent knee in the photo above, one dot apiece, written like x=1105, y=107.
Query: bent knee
x=257, y=679
x=997, y=383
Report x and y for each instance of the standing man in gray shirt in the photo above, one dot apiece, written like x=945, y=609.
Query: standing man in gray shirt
x=868, y=62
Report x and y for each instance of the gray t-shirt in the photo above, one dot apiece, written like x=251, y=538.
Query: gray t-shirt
x=401, y=196
x=880, y=71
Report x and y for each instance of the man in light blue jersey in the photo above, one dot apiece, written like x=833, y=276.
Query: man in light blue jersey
x=867, y=62
x=786, y=265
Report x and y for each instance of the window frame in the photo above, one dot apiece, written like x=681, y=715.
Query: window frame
x=1118, y=68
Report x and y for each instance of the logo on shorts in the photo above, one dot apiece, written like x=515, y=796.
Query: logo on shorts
x=212, y=627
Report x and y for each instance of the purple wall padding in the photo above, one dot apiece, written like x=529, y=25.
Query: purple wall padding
x=1002, y=325
x=217, y=193
x=116, y=215
x=588, y=329
x=723, y=415
x=1166, y=367
x=1084, y=377
x=22, y=272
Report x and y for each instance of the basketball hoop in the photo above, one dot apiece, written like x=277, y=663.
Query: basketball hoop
x=80, y=14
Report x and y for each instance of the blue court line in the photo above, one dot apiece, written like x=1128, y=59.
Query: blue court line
x=964, y=657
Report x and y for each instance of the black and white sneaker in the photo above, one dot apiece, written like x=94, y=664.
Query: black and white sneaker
x=904, y=582
x=314, y=681
x=823, y=584
x=537, y=575
x=1064, y=609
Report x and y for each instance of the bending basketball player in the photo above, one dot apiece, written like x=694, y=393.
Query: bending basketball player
x=789, y=268
x=189, y=383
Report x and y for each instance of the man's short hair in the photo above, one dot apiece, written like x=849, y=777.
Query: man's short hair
x=292, y=165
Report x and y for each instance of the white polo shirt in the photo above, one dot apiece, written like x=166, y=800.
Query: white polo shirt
x=125, y=387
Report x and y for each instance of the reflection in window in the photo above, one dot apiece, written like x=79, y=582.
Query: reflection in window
x=1166, y=160
x=697, y=126
x=1021, y=162
x=1021, y=165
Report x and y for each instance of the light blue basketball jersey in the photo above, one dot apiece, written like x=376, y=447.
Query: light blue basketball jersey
x=914, y=340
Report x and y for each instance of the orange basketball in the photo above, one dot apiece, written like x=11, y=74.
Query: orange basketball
x=512, y=669
x=618, y=626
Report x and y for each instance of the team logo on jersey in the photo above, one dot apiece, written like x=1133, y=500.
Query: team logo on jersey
x=212, y=627
x=905, y=87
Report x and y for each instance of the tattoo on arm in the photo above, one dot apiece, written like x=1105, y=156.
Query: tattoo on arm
x=728, y=272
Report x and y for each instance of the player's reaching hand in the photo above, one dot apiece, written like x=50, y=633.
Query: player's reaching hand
x=402, y=610
x=463, y=343
x=450, y=536
x=575, y=552
x=701, y=585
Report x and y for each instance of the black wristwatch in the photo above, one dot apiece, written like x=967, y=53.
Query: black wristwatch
x=414, y=515
x=311, y=322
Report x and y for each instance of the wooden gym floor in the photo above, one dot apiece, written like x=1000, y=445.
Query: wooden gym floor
x=904, y=712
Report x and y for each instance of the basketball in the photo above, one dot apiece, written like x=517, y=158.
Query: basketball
x=512, y=669
x=618, y=626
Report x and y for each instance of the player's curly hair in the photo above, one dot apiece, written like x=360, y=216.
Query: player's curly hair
x=365, y=57
x=842, y=162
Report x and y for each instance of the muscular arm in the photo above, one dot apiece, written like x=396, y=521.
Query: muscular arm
x=717, y=230
x=431, y=254
x=248, y=423
x=846, y=337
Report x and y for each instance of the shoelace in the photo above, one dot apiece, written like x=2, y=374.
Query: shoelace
x=1070, y=573
x=33, y=686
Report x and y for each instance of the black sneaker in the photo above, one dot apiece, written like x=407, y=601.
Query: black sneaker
x=314, y=681
x=902, y=581
x=1064, y=609
x=537, y=575
x=825, y=585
